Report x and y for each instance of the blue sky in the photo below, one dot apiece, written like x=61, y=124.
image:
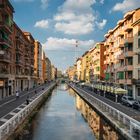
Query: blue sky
x=58, y=23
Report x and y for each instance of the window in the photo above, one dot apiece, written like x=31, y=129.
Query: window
x=138, y=74
x=138, y=58
x=138, y=91
x=138, y=42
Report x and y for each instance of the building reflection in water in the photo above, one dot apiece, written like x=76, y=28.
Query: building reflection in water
x=101, y=129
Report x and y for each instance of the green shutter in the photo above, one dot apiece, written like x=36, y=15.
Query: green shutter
x=107, y=76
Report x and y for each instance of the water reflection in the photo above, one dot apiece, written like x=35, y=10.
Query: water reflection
x=58, y=119
x=101, y=129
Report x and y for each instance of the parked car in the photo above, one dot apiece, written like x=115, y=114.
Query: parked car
x=127, y=100
x=136, y=105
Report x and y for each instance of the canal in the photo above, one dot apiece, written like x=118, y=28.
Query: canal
x=66, y=116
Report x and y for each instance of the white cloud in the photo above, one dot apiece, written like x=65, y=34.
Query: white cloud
x=42, y=24
x=44, y=4
x=126, y=5
x=75, y=17
x=65, y=44
x=102, y=1
x=101, y=24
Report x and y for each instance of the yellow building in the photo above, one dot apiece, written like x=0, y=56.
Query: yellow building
x=43, y=67
x=38, y=61
x=84, y=73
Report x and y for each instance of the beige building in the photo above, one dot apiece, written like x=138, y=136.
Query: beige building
x=121, y=59
x=79, y=68
x=48, y=69
x=53, y=73
x=136, y=59
x=59, y=73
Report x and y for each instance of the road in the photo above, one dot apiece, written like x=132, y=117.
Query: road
x=127, y=110
x=11, y=104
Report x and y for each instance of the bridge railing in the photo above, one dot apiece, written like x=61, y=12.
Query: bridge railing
x=126, y=122
x=11, y=125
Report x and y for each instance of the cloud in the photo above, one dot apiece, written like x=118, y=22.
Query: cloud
x=126, y=5
x=101, y=24
x=65, y=44
x=44, y=4
x=42, y=24
x=102, y=1
x=75, y=17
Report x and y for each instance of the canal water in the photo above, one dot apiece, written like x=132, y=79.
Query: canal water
x=66, y=116
x=59, y=119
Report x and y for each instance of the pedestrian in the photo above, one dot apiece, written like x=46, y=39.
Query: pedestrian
x=17, y=94
x=27, y=100
x=35, y=92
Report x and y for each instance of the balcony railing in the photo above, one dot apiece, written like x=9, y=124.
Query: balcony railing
x=5, y=58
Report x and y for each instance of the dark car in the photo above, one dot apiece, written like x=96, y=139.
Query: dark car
x=136, y=105
x=127, y=100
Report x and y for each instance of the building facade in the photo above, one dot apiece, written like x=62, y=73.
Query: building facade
x=79, y=65
x=48, y=69
x=38, y=61
x=120, y=52
x=7, y=64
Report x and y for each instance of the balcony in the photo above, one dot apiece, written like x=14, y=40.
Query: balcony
x=5, y=42
x=6, y=27
x=19, y=62
x=128, y=68
x=129, y=81
x=121, y=33
x=136, y=81
x=121, y=56
x=5, y=58
x=128, y=40
x=129, y=54
x=27, y=64
x=122, y=81
x=121, y=68
x=128, y=27
x=121, y=43
x=19, y=50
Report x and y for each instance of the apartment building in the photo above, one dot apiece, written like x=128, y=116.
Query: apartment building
x=29, y=57
x=84, y=71
x=43, y=67
x=136, y=59
x=79, y=65
x=97, y=63
x=120, y=55
x=48, y=69
x=71, y=72
x=38, y=61
x=53, y=72
x=6, y=49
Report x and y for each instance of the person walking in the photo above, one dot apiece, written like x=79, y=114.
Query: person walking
x=27, y=100
x=17, y=94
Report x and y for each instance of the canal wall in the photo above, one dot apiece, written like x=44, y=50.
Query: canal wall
x=122, y=123
x=24, y=114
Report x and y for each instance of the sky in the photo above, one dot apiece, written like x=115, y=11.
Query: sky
x=57, y=24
